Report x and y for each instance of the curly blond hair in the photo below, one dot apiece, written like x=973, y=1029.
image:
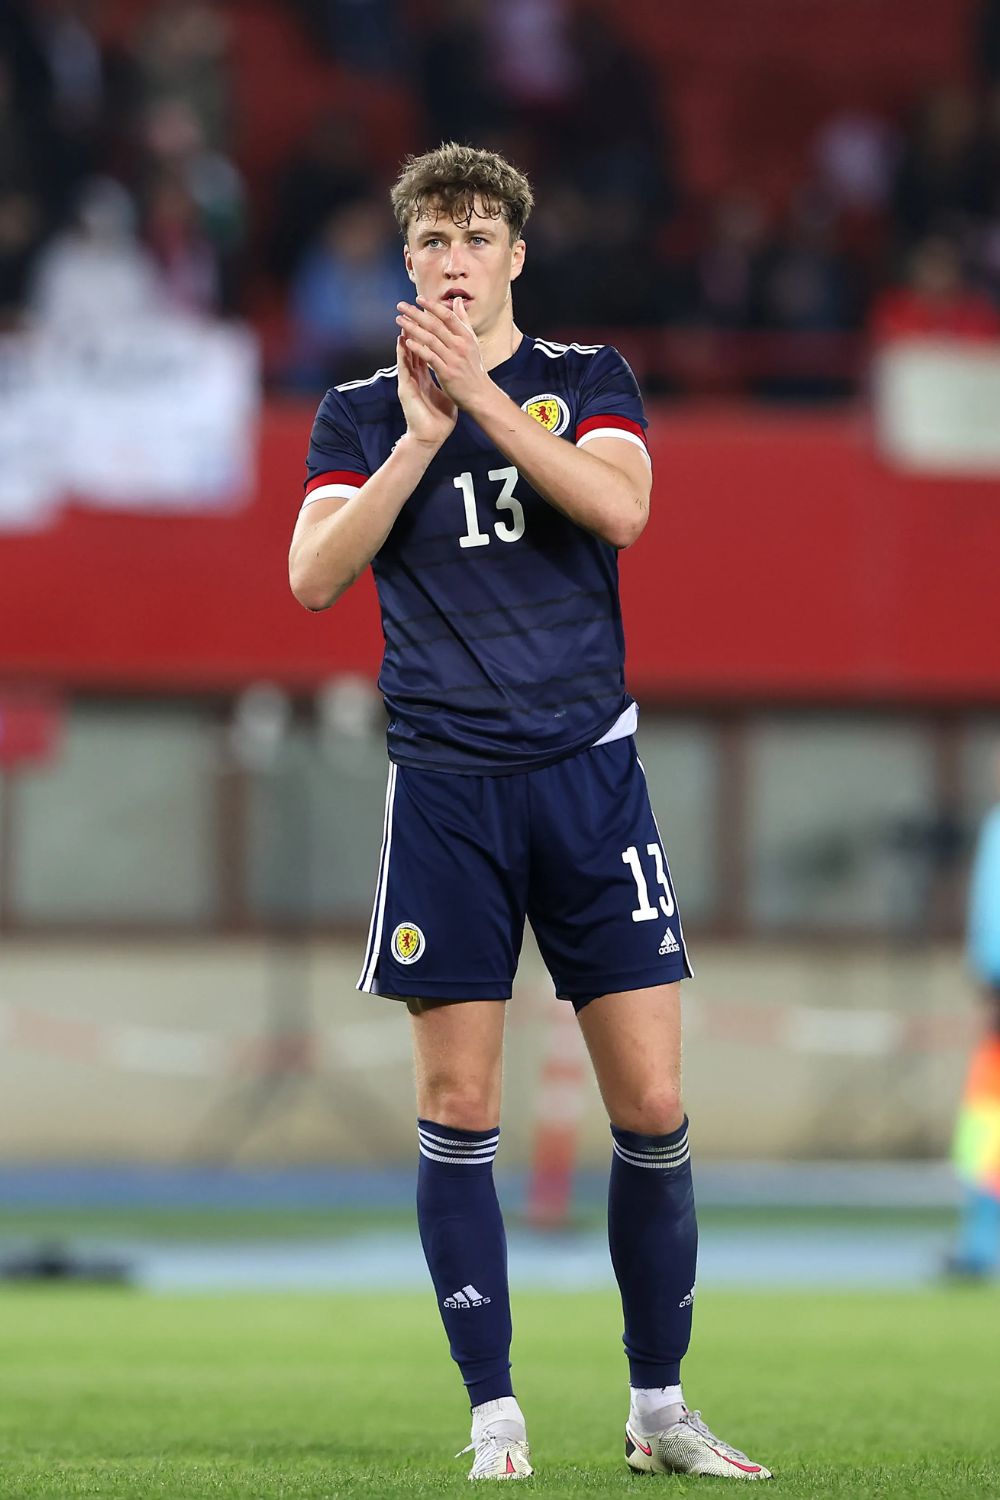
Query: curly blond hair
x=453, y=180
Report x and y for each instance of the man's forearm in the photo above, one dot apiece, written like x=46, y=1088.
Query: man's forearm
x=594, y=494
x=326, y=559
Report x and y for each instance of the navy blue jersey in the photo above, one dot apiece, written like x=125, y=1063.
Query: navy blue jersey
x=504, y=648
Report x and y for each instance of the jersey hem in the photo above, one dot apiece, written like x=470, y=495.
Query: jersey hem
x=480, y=768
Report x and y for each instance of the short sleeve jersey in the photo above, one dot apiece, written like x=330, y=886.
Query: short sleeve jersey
x=504, y=648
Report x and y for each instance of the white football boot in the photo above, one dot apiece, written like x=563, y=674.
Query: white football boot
x=499, y=1458
x=499, y=1441
x=688, y=1447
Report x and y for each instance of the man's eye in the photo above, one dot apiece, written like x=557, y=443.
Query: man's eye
x=478, y=239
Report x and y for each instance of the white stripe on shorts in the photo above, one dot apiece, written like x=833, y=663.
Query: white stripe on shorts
x=666, y=865
x=367, y=976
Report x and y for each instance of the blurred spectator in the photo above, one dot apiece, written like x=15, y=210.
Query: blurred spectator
x=17, y=157
x=76, y=66
x=977, y=1137
x=344, y=295
x=61, y=94
x=176, y=148
x=183, y=54
x=986, y=41
x=724, y=281
x=983, y=241
x=326, y=172
x=20, y=235
x=856, y=153
x=808, y=287
x=367, y=35
x=455, y=80
x=90, y=90
x=618, y=138
x=96, y=267
x=533, y=62
x=588, y=252
x=26, y=70
x=935, y=186
x=936, y=301
x=623, y=285
x=806, y=281
x=189, y=267
x=28, y=150
x=556, y=278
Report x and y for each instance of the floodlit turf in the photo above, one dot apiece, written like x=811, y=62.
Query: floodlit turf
x=163, y=1224
x=116, y=1393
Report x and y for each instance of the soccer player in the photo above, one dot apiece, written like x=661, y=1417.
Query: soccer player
x=490, y=479
x=977, y=1134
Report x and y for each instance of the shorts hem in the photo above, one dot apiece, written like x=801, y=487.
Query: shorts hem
x=436, y=989
x=614, y=984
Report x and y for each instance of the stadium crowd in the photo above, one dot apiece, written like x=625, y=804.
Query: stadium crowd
x=119, y=186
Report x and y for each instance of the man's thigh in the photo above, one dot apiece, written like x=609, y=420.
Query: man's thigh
x=634, y=1041
x=457, y=1057
x=602, y=903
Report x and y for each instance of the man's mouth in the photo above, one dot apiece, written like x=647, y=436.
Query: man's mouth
x=457, y=295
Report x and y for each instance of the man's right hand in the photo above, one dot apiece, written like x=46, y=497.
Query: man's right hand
x=430, y=415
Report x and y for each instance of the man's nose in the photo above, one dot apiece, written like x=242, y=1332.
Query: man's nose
x=455, y=264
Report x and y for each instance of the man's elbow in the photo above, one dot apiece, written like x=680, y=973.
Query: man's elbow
x=314, y=603
x=308, y=591
x=628, y=527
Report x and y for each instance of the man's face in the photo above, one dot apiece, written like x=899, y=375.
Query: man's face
x=474, y=261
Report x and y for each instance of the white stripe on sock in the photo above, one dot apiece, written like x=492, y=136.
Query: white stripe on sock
x=456, y=1155
x=452, y=1141
x=658, y=1164
x=650, y=1152
x=456, y=1161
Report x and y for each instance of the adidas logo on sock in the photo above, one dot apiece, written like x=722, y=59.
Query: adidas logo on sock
x=467, y=1297
x=670, y=943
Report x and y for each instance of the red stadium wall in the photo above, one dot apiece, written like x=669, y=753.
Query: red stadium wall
x=782, y=561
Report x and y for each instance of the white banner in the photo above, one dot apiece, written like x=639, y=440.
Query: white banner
x=156, y=415
x=30, y=476
x=937, y=406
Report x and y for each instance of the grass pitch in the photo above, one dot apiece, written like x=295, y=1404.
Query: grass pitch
x=117, y=1393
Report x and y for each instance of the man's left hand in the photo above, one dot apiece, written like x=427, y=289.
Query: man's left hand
x=445, y=339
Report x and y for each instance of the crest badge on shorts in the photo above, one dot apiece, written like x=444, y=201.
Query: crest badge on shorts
x=551, y=411
x=407, y=943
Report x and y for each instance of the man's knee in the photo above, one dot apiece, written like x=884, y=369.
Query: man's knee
x=462, y=1105
x=654, y=1111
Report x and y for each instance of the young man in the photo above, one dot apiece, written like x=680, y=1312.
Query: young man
x=489, y=478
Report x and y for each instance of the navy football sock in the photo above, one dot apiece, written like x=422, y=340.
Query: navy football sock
x=462, y=1233
x=653, y=1236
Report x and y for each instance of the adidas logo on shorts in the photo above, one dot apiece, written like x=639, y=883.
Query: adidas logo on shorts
x=669, y=944
x=467, y=1297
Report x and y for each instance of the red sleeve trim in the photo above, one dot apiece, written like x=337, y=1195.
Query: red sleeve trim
x=335, y=476
x=625, y=423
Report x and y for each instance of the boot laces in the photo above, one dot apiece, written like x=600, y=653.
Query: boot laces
x=694, y=1420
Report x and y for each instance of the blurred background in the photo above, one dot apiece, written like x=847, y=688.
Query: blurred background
x=787, y=217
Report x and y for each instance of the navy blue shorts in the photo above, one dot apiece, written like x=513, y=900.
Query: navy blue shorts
x=573, y=847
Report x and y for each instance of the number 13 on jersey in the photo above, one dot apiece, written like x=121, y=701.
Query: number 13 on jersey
x=506, y=531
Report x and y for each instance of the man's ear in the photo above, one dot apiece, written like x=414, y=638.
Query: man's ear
x=408, y=263
x=517, y=251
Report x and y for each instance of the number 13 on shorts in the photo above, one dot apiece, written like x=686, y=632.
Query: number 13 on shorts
x=645, y=911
